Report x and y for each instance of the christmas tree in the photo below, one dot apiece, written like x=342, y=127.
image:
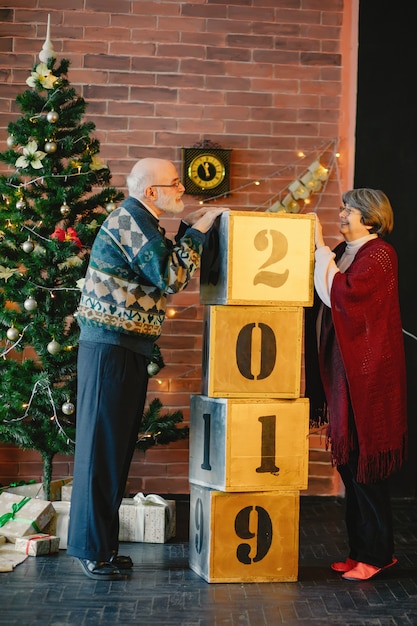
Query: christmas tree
x=54, y=197
x=52, y=201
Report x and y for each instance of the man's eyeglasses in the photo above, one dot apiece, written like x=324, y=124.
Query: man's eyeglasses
x=177, y=184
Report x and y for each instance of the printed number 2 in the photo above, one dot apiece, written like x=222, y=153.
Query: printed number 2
x=279, y=244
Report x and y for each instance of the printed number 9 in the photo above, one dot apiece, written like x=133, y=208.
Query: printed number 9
x=263, y=534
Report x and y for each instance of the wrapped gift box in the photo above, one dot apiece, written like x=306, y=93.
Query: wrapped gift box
x=37, y=545
x=58, y=526
x=20, y=515
x=15, y=487
x=35, y=490
x=149, y=519
x=66, y=491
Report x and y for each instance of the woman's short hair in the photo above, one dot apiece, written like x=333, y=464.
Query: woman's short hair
x=375, y=208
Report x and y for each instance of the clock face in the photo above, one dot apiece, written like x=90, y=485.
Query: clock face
x=206, y=171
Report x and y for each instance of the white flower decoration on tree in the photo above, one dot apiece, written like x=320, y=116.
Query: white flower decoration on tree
x=71, y=261
x=7, y=272
x=97, y=163
x=31, y=156
x=41, y=76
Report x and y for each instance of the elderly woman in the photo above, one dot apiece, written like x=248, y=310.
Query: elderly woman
x=362, y=369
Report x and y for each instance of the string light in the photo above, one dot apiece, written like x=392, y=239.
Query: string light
x=44, y=387
x=278, y=173
x=314, y=179
x=35, y=233
x=34, y=181
x=15, y=343
x=409, y=334
x=42, y=112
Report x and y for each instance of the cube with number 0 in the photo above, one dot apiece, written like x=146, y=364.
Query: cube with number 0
x=252, y=351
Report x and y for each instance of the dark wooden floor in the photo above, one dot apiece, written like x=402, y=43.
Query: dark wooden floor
x=162, y=590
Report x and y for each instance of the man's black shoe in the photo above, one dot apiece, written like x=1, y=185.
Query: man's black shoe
x=100, y=570
x=121, y=562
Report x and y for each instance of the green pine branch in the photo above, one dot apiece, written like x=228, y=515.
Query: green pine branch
x=157, y=429
x=52, y=201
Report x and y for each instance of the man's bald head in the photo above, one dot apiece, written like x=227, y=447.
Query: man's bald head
x=156, y=183
x=147, y=172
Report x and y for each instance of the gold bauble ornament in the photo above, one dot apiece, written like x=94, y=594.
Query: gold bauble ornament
x=110, y=206
x=53, y=347
x=10, y=141
x=50, y=147
x=20, y=204
x=68, y=408
x=153, y=368
x=52, y=117
x=28, y=246
x=30, y=304
x=12, y=333
x=65, y=210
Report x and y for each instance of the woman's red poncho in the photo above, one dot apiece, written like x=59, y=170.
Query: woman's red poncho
x=366, y=363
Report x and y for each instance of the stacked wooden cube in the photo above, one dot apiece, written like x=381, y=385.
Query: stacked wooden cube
x=249, y=427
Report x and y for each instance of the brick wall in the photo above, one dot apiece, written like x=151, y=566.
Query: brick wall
x=265, y=78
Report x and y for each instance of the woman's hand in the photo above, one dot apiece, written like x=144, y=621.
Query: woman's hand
x=318, y=231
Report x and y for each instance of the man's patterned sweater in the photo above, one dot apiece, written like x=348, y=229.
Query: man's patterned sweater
x=132, y=268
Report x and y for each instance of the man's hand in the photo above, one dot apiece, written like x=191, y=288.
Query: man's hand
x=203, y=219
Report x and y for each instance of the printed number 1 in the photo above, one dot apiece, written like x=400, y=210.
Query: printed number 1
x=268, y=440
x=206, y=442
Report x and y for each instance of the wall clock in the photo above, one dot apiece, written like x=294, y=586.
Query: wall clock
x=206, y=171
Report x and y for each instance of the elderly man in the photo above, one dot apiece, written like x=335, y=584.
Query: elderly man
x=132, y=268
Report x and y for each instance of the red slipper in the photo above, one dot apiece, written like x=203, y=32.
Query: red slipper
x=344, y=566
x=363, y=571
